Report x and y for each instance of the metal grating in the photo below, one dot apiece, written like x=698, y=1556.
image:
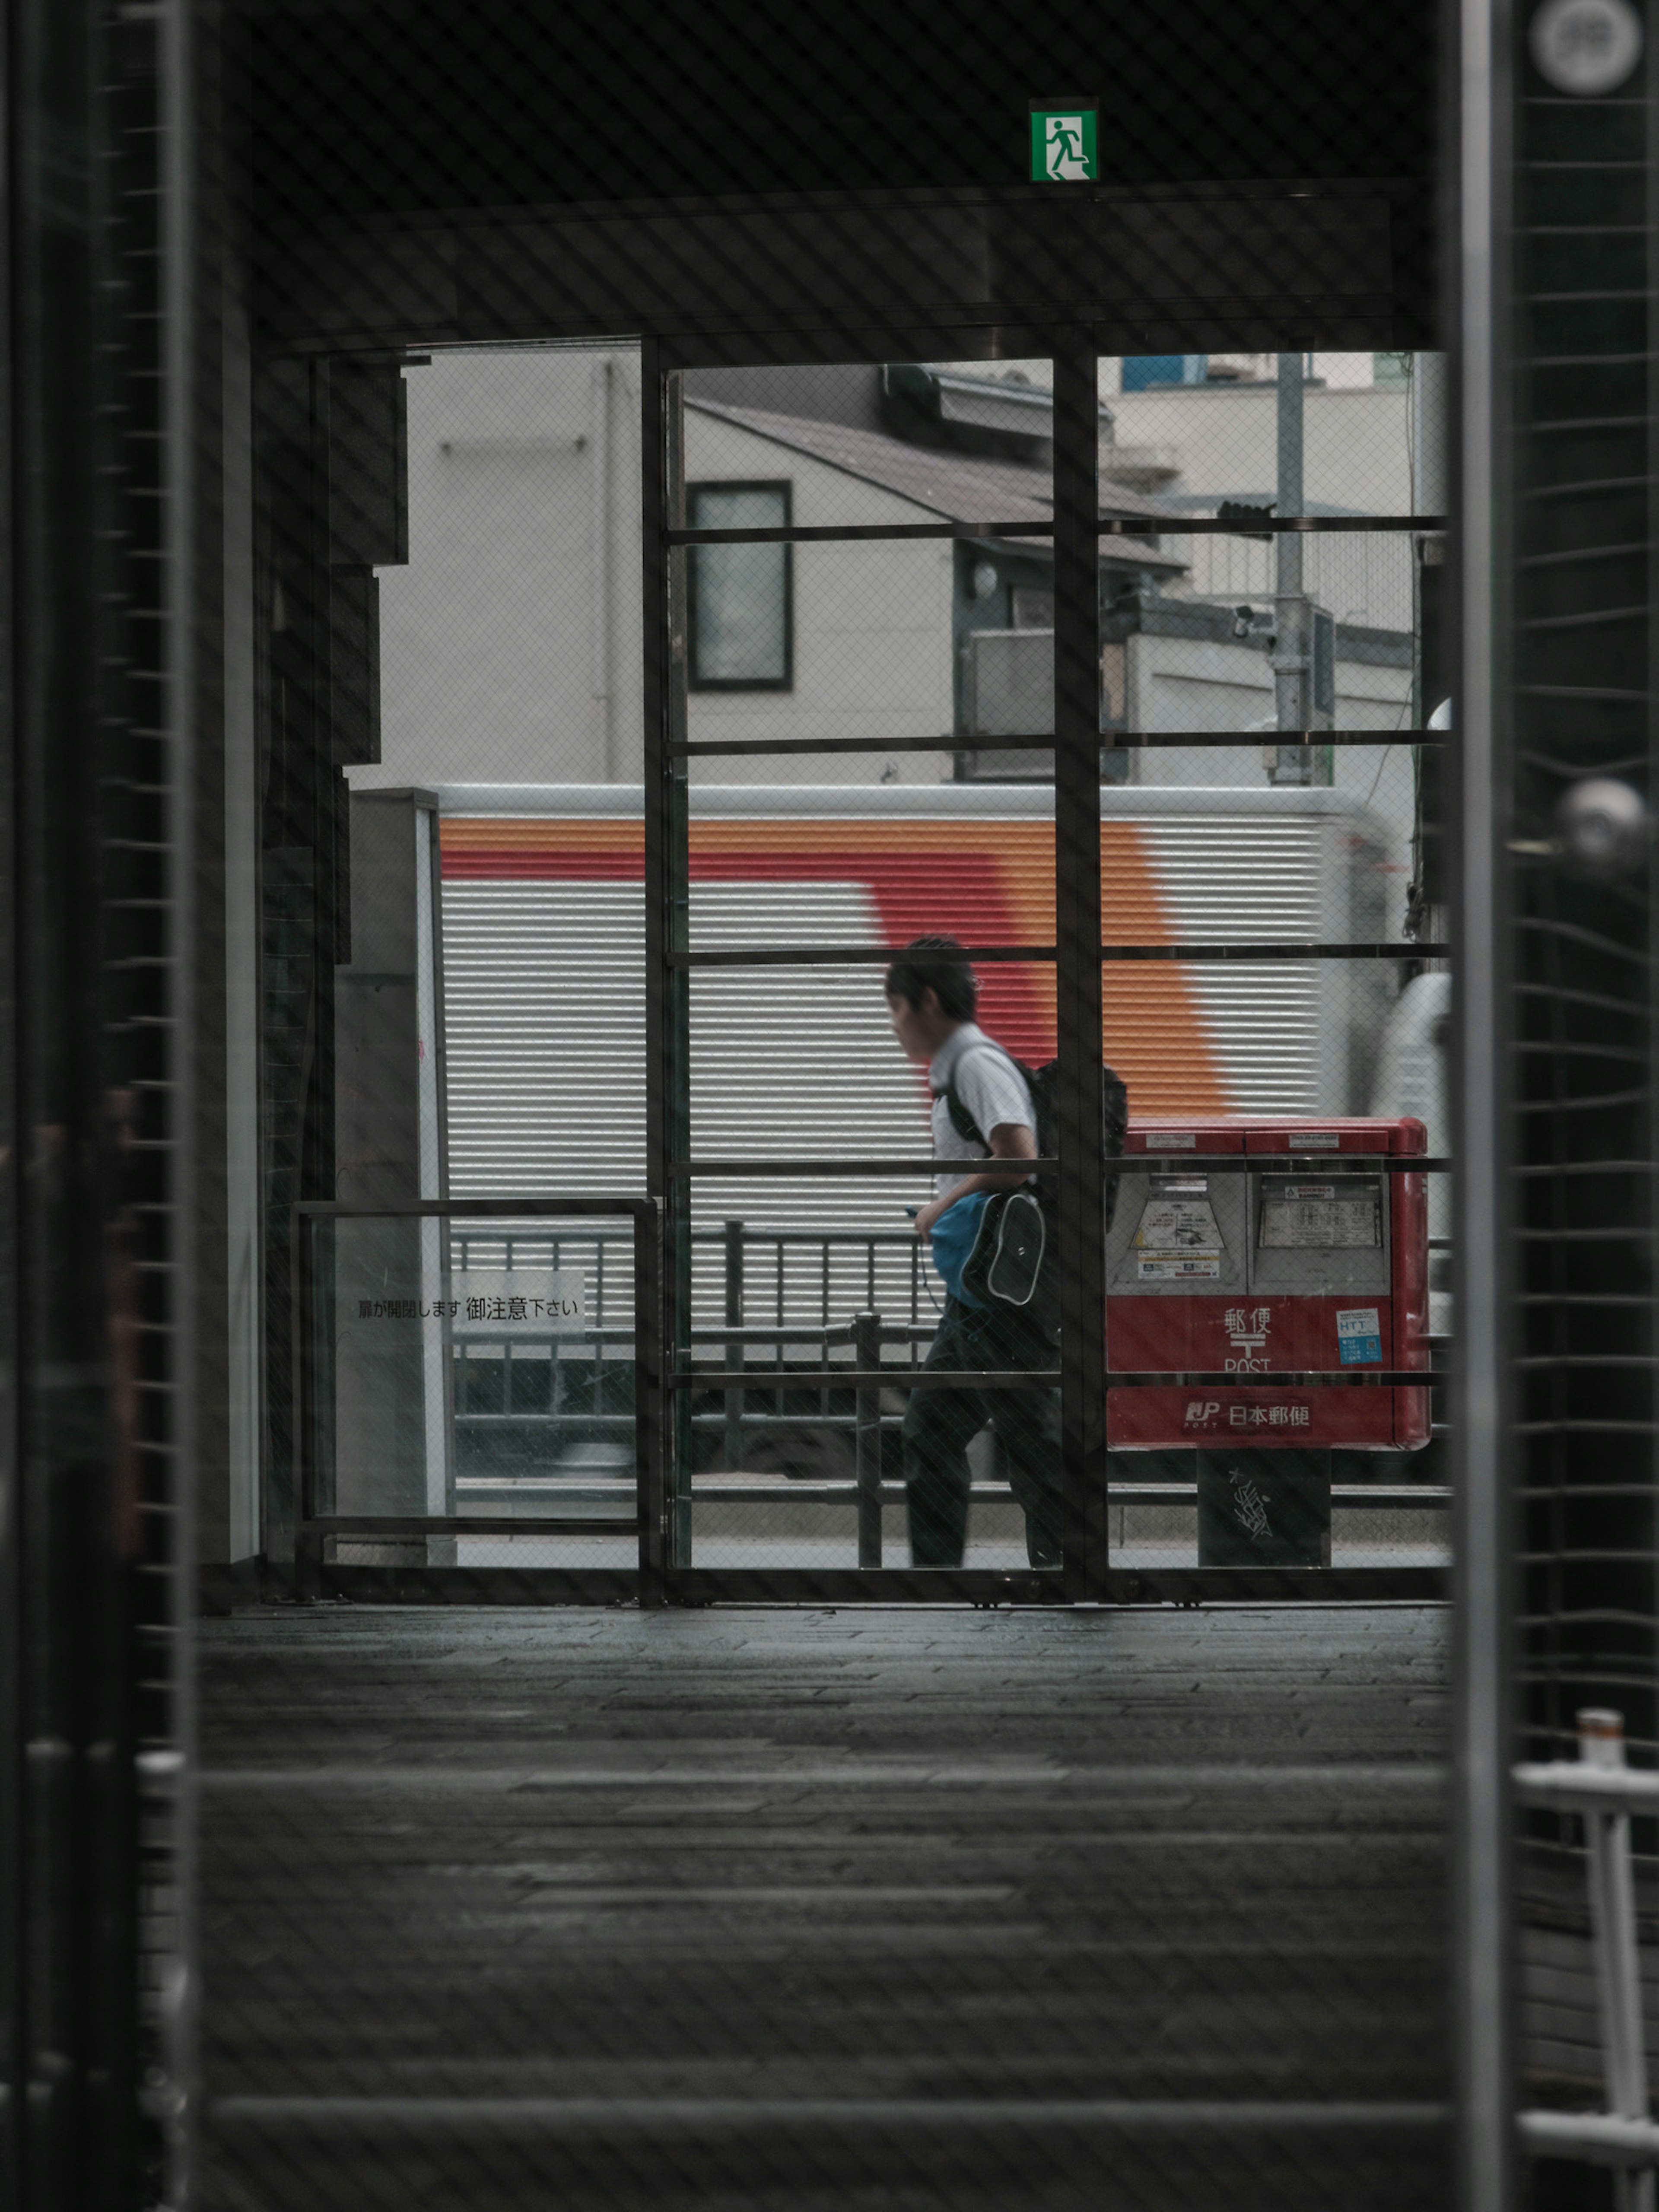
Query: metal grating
x=1583, y=1140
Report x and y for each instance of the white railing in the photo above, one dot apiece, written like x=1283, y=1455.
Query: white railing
x=1605, y=1792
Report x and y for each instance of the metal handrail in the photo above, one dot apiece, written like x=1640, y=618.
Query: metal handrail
x=863, y=1379
x=741, y=1384
x=1605, y=1793
x=720, y=1488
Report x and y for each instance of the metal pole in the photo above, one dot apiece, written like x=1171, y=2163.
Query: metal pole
x=173, y=1810
x=1292, y=660
x=1483, y=1621
x=1613, y=1934
x=1431, y=424
x=1076, y=965
x=734, y=1350
x=1432, y=491
x=866, y=1356
x=600, y=564
x=650, y=1412
x=1289, y=495
x=307, y=1548
x=661, y=1123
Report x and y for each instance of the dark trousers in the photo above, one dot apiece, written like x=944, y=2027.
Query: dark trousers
x=940, y=1424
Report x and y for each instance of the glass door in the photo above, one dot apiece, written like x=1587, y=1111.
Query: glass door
x=998, y=734
x=851, y=866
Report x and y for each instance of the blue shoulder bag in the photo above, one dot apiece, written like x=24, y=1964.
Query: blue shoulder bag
x=955, y=1234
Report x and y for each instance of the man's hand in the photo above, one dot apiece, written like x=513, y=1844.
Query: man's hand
x=1009, y=1140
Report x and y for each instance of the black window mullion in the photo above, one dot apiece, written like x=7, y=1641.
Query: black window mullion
x=1077, y=938
x=665, y=984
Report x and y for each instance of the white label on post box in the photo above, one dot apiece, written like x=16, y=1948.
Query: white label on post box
x=1358, y=1338
x=1177, y=1240
x=1315, y=1140
x=1321, y=1216
x=1172, y=1141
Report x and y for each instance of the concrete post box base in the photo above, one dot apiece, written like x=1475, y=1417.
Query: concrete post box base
x=1264, y=1508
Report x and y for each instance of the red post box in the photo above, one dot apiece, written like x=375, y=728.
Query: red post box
x=1308, y=1257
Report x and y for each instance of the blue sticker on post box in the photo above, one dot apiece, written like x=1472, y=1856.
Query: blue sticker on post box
x=1358, y=1339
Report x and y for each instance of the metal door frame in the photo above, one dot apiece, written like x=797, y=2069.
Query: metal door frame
x=1086, y=1575
x=670, y=958
x=982, y=271
x=313, y=1528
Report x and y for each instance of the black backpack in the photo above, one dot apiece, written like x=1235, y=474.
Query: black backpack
x=1013, y=1264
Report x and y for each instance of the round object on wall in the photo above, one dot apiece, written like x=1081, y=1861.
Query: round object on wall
x=1603, y=825
x=985, y=578
x=1587, y=47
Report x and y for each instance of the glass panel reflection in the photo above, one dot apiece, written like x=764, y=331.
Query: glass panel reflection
x=468, y=1369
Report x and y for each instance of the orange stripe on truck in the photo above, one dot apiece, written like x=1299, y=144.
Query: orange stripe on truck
x=986, y=881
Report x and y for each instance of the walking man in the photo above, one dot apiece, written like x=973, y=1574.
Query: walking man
x=982, y=1111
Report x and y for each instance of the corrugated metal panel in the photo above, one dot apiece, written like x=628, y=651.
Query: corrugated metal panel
x=1239, y=875
x=544, y=996
x=544, y=1014
x=543, y=982
x=1243, y=877
x=802, y=1062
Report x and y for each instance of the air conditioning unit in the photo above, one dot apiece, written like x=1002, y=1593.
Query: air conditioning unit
x=1008, y=683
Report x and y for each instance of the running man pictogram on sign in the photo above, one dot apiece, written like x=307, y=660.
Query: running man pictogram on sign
x=1063, y=138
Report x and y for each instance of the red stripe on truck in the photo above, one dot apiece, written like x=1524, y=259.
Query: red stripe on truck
x=984, y=881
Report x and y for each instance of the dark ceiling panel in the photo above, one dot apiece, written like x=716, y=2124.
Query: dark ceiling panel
x=1103, y=257
x=437, y=104
x=672, y=271
x=1248, y=268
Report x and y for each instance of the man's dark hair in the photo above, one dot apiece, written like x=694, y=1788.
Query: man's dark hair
x=937, y=964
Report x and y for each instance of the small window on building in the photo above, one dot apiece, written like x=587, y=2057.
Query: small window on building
x=739, y=596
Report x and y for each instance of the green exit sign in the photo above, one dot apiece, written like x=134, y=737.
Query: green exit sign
x=1063, y=139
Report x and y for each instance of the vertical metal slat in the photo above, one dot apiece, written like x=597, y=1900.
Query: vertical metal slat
x=1078, y=973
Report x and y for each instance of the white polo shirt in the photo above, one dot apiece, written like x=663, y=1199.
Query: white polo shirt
x=989, y=1085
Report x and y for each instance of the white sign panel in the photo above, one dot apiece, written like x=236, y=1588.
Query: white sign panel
x=1320, y=1216
x=520, y=1302
x=1178, y=1240
x=1359, y=1337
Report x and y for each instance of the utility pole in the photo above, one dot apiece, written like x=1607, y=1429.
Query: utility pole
x=1431, y=418
x=1292, y=659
